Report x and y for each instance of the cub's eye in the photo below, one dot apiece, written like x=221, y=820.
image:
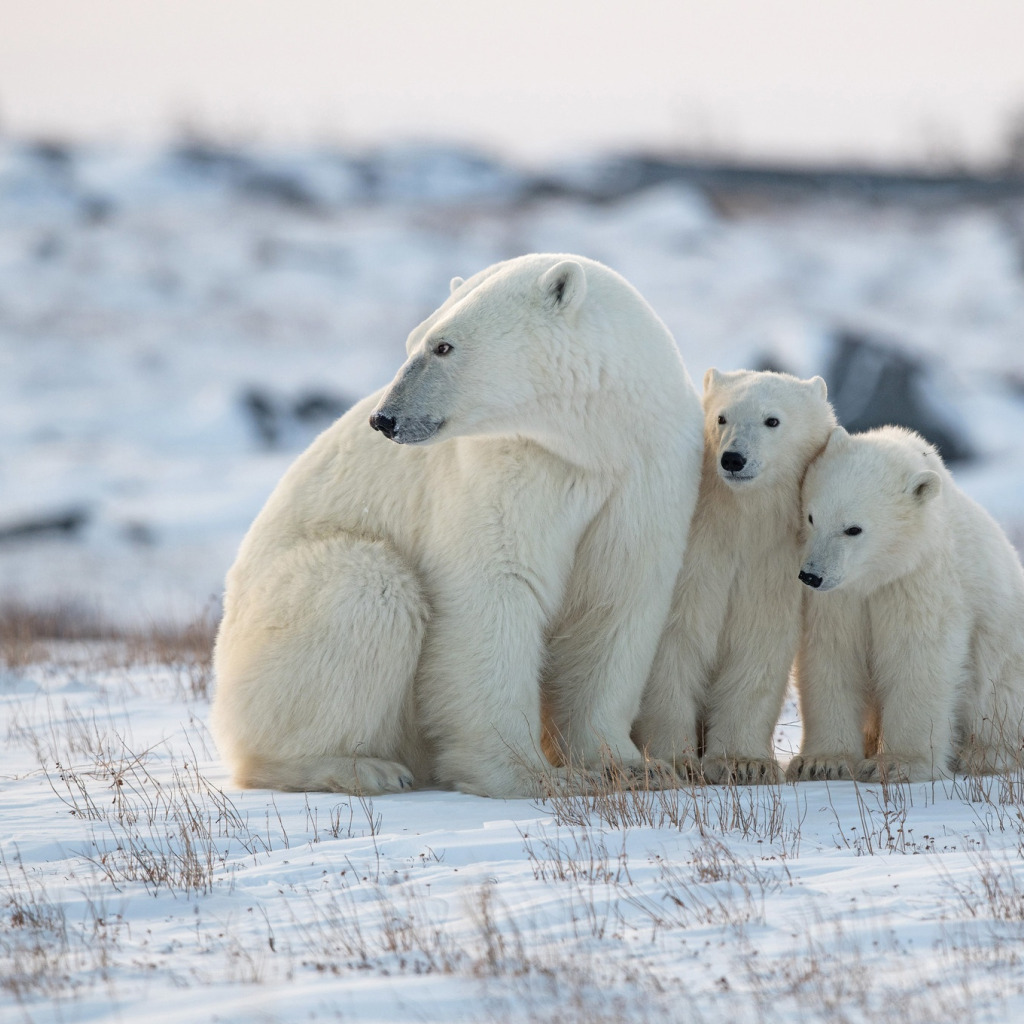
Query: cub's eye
x=772, y=421
x=852, y=531
x=442, y=348
x=721, y=421
x=810, y=519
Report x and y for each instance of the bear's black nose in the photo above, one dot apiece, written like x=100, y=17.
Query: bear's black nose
x=385, y=424
x=733, y=462
x=810, y=579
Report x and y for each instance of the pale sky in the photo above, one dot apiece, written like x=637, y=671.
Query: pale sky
x=532, y=79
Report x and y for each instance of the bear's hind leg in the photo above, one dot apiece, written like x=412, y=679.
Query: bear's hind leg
x=366, y=776
x=315, y=672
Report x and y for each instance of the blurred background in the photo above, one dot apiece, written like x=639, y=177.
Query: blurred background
x=219, y=220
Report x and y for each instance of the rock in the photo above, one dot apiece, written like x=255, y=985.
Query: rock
x=872, y=383
x=66, y=523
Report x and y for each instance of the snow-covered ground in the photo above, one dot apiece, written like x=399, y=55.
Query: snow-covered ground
x=136, y=884
x=143, y=297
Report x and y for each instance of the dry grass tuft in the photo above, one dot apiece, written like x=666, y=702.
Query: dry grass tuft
x=31, y=635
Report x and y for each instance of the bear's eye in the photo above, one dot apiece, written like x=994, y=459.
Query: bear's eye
x=772, y=421
x=852, y=531
x=721, y=421
x=442, y=348
x=810, y=519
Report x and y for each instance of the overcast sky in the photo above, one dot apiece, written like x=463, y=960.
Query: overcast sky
x=534, y=79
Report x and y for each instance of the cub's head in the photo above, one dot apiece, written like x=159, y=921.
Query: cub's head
x=763, y=428
x=487, y=361
x=867, y=500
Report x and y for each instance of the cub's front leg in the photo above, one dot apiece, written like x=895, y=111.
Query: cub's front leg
x=919, y=661
x=832, y=681
x=668, y=725
x=747, y=694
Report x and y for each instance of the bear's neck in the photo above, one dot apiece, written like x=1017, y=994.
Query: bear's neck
x=764, y=507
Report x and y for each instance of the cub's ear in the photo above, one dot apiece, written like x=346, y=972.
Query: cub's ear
x=924, y=486
x=837, y=439
x=455, y=284
x=711, y=379
x=819, y=386
x=564, y=285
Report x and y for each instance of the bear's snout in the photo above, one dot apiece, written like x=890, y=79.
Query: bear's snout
x=385, y=424
x=733, y=462
x=810, y=579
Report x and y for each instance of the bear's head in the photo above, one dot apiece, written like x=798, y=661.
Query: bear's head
x=866, y=505
x=489, y=359
x=762, y=428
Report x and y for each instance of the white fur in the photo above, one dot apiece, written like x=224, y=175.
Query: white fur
x=912, y=658
x=720, y=675
x=396, y=609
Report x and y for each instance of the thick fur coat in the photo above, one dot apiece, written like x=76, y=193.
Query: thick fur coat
x=721, y=670
x=513, y=524
x=911, y=663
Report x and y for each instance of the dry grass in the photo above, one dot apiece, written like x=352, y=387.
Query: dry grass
x=32, y=635
x=660, y=930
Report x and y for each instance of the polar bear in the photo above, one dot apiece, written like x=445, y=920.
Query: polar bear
x=912, y=657
x=509, y=531
x=720, y=675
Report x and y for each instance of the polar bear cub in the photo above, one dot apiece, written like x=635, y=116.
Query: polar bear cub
x=720, y=674
x=513, y=521
x=912, y=658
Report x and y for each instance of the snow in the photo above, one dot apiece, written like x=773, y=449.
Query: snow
x=136, y=881
x=142, y=295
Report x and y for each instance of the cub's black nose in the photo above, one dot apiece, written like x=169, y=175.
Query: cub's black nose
x=810, y=579
x=733, y=462
x=385, y=424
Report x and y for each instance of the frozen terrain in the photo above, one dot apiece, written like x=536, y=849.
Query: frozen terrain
x=174, y=327
x=135, y=883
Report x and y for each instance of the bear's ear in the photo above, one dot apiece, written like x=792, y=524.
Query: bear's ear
x=455, y=284
x=711, y=379
x=564, y=285
x=924, y=486
x=820, y=387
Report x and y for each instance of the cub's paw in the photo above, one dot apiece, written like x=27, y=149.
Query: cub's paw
x=647, y=774
x=819, y=767
x=375, y=776
x=741, y=771
x=688, y=768
x=891, y=769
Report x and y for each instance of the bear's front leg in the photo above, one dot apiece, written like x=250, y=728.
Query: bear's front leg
x=746, y=697
x=919, y=662
x=668, y=724
x=832, y=681
x=478, y=689
x=600, y=658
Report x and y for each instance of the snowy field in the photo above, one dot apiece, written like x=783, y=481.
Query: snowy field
x=174, y=328
x=137, y=884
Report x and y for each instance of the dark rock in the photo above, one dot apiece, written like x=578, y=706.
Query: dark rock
x=65, y=523
x=262, y=415
x=139, y=533
x=281, y=422
x=280, y=188
x=872, y=383
x=319, y=407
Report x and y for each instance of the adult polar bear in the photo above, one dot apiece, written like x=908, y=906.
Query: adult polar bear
x=396, y=608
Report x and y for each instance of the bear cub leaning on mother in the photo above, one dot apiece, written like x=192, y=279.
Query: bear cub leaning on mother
x=911, y=664
x=509, y=532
